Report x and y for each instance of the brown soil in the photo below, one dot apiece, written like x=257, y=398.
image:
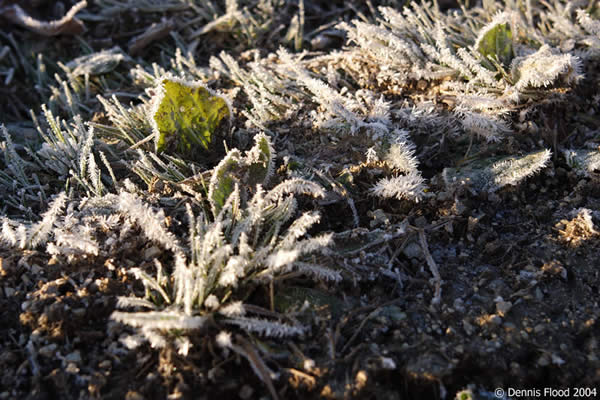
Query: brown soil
x=518, y=309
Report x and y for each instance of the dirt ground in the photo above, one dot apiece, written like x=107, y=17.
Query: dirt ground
x=518, y=308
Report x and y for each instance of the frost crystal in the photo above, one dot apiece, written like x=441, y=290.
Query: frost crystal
x=409, y=187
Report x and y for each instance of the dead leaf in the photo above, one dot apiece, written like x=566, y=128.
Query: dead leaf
x=68, y=25
x=153, y=33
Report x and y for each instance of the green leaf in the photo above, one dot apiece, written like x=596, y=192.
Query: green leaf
x=260, y=160
x=223, y=180
x=497, y=44
x=188, y=114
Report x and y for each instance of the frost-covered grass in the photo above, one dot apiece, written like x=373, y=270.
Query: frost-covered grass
x=407, y=81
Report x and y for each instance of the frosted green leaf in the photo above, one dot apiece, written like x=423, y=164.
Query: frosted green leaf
x=476, y=175
x=96, y=63
x=186, y=113
x=492, y=174
x=223, y=180
x=512, y=170
x=497, y=43
x=260, y=160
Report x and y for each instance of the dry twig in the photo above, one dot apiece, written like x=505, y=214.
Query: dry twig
x=437, y=298
x=153, y=33
x=66, y=25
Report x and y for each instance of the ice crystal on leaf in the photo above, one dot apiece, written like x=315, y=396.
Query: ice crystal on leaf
x=513, y=170
x=543, y=68
x=27, y=236
x=491, y=175
x=271, y=92
x=240, y=241
x=409, y=186
x=484, y=54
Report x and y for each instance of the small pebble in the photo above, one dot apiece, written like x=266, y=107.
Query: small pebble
x=468, y=327
x=538, y=294
x=74, y=357
x=564, y=347
x=388, y=363
x=459, y=305
x=36, y=269
x=412, y=250
x=246, y=392
x=503, y=307
x=72, y=368
x=495, y=320
x=48, y=350
x=8, y=291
